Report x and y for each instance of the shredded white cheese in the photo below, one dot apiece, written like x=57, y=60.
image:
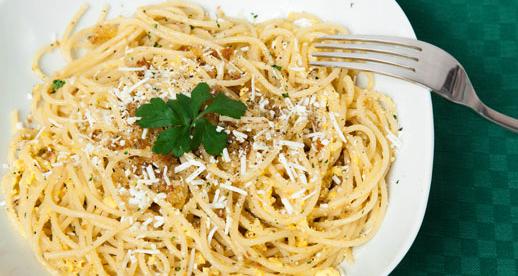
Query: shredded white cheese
x=228, y=222
x=166, y=177
x=225, y=155
x=337, y=127
x=195, y=174
x=287, y=206
x=211, y=234
x=309, y=195
x=242, y=169
x=144, y=133
x=291, y=144
x=150, y=172
x=184, y=166
x=287, y=167
x=159, y=221
x=240, y=136
x=233, y=189
x=252, y=93
x=298, y=194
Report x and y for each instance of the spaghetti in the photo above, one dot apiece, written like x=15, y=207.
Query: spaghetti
x=301, y=183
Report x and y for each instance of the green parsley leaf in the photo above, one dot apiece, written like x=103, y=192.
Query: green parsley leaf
x=199, y=95
x=213, y=141
x=225, y=106
x=156, y=114
x=57, y=84
x=173, y=140
x=254, y=15
x=277, y=67
x=285, y=95
x=182, y=107
x=186, y=127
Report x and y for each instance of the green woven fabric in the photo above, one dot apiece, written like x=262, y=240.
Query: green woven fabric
x=471, y=223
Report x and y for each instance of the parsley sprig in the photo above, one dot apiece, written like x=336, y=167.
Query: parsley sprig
x=184, y=121
x=56, y=85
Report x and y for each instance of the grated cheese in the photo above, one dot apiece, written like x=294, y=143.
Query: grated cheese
x=197, y=182
x=291, y=144
x=336, y=179
x=298, y=167
x=144, y=133
x=242, y=169
x=287, y=167
x=211, y=234
x=303, y=178
x=225, y=155
x=316, y=135
x=233, y=189
x=337, y=127
x=240, y=136
x=252, y=93
x=287, y=206
x=150, y=172
x=184, y=166
x=166, y=178
x=132, y=120
x=309, y=195
x=137, y=85
x=159, y=196
x=159, y=221
x=298, y=194
x=195, y=174
x=228, y=222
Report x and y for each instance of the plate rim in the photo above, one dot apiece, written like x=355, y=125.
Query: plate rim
x=428, y=177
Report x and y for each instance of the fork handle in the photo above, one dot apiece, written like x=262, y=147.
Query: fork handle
x=497, y=117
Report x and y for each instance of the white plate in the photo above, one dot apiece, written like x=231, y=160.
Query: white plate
x=27, y=25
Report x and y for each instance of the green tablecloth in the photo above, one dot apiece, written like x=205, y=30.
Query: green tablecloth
x=471, y=224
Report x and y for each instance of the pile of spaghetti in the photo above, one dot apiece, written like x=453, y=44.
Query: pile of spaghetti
x=300, y=184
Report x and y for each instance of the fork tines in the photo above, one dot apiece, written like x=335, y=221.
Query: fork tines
x=386, y=55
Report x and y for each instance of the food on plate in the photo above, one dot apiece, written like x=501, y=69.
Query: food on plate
x=175, y=142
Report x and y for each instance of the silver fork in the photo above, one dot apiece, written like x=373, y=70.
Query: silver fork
x=410, y=60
